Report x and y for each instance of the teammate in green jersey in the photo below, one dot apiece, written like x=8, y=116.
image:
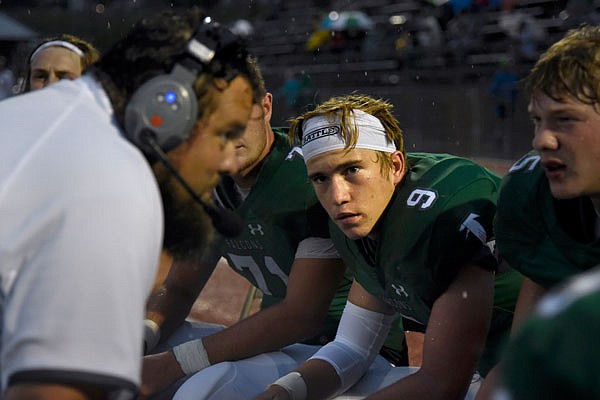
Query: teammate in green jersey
x=284, y=250
x=548, y=224
x=415, y=230
x=555, y=353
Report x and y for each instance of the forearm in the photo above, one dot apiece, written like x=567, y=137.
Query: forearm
x=324, y=380
x=169, y=309
x=268, y=330
x=170, y=304
x=51, y=392
x=529, y=295
x=415, y=386
x=453, y=342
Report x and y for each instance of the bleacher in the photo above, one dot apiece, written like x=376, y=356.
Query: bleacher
x=280, y=43
x=443, y=104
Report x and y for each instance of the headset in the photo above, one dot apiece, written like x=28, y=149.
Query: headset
x=166, y=105
x=162, y=112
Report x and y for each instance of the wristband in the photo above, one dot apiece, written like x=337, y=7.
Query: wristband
x=294, y=384
x=151, y=335
x=191, y=356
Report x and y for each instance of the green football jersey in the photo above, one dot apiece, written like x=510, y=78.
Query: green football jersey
x=555, y=354
x=280, y=211
x=548, y=240
x=439, y=219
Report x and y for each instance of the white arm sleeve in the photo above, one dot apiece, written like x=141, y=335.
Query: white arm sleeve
x=359, y=338
x=315, y=247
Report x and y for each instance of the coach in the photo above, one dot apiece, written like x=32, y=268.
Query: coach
x=83, y=165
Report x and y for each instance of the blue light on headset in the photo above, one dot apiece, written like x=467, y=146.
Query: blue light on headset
x=170, y=97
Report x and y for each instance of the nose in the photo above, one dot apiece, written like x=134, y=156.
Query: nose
x=544, y=138
x=339, y=191
x=229, y=162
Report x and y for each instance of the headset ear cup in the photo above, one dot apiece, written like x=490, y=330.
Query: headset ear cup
x=165, y=106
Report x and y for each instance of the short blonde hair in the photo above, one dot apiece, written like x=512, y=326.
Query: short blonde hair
x=342, y=106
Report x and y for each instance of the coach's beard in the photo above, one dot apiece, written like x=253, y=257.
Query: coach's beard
x=188, y=229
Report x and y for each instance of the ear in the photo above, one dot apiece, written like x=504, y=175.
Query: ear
x=267, y=104
x=399, y=166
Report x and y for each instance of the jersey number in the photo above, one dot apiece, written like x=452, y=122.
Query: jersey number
x=421, y=198
x=530, y=162
x=247, y=262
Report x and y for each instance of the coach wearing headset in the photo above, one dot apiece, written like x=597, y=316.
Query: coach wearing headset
x=82, y=214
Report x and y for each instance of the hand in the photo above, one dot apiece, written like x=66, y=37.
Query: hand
x=274, y=392
x=158, y=372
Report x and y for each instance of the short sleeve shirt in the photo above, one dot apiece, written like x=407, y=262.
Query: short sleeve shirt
x=80, y=238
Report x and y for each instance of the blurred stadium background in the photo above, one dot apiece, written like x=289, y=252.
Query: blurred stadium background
x=433, y=59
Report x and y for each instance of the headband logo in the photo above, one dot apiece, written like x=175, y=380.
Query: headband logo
x=320, y=133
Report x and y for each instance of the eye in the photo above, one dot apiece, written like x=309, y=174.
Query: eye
x=352, y=170
x=535, y=120
x=67, y=75
x=230, y=134
x=316, y=179
x=38, y=75
x=566, y=118
x=234, y=134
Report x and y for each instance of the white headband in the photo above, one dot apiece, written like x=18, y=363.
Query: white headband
x=57, y=43
x=323, y=133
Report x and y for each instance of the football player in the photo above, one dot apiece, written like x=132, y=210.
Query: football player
x=284, y=250
x=548, y=224
x=415, y=230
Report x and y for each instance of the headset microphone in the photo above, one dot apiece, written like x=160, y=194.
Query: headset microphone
x=226, y=222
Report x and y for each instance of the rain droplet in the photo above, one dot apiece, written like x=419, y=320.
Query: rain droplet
x=464, y=294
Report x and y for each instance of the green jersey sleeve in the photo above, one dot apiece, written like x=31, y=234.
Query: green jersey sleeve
x=532, y=228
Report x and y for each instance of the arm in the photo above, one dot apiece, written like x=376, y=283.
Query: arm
x=311, y=286
x=529, y=295
x=453, y=342
x=319, y=378
x=171, y=302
